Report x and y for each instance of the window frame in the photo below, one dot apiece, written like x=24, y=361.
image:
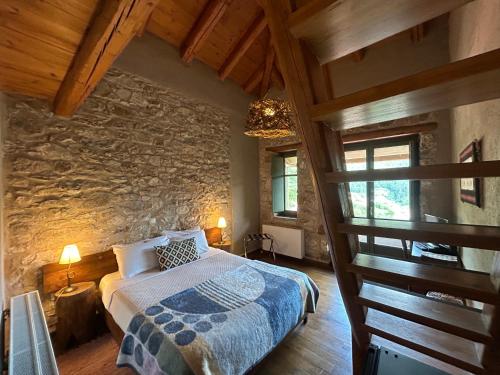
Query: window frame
x=370, y=146
x=290, y=214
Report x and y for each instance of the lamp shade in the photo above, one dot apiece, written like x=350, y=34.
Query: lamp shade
x=269, y=118
x=221, y=223
x=70, y=255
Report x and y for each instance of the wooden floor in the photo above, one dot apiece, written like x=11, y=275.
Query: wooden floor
x=323, y=346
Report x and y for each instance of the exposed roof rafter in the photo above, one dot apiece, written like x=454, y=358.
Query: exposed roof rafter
x=112, y=28
x=202, y=28
x=255, y=29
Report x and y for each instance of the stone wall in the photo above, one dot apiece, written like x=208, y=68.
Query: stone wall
x=135, y=159
x=308, y=214
x=152, y=58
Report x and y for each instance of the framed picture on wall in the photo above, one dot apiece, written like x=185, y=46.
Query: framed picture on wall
x=470, y=188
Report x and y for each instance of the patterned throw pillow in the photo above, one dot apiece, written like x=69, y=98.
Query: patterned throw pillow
x=176, y=253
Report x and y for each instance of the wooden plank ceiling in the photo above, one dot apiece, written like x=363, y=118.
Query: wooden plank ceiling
x=51, y=48
x=38, y=40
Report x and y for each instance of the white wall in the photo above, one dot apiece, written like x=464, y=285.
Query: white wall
x=474, y=29
x=392, y=59
x=156, y=60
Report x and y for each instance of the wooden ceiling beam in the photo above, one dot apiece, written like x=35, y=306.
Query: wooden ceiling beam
x=202, y=28
x=255, y=29
x=114, y=25
x=266, y=78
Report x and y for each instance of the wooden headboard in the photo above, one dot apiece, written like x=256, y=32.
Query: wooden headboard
x=91, y=268
x=94, y=267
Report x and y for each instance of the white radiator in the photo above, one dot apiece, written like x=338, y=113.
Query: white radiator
x=30, y=347
x=287, y=241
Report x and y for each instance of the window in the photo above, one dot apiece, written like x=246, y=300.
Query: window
x=285, y=188
x=395, y=200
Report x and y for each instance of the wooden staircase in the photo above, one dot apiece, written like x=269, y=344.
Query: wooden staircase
x=464, y=337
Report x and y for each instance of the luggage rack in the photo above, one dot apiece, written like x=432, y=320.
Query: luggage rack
x=259, y=237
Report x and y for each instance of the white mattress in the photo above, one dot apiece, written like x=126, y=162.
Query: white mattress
x=123, y=298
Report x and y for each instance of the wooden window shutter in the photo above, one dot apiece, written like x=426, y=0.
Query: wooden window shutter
x=277, y=174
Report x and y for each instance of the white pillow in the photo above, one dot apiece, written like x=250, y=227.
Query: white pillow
x=138, y=257
x=196, y=233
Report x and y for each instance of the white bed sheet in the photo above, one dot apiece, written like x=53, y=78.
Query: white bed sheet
x=123, y=298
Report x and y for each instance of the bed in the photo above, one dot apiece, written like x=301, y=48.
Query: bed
x=221, y=314
x=247, y=308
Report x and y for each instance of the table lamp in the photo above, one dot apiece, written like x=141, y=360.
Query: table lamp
x=69, y=255
x=221, y=223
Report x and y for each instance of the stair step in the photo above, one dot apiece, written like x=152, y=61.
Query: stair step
x=331, y=34
x=454, y=319
x=476, y=236
x=467, y=81
x=443, y=346
x=428, y=172
x=462, y=283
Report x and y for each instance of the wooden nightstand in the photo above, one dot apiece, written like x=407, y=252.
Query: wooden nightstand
x=76, y=315
x=226, y=245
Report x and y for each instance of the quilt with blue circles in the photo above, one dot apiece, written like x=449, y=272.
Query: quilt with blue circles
x=225, y=325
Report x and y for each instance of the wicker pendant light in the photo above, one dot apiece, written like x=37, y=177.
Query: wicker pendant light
x=270, y=118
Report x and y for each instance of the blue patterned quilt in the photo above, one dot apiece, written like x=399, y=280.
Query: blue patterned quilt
x=224, y=325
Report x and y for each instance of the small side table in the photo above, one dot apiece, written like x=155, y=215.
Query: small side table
x=76, y=315
x=225, y=245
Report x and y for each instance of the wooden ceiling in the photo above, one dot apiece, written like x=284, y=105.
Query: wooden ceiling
x=38, y=40
x=59, y=49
